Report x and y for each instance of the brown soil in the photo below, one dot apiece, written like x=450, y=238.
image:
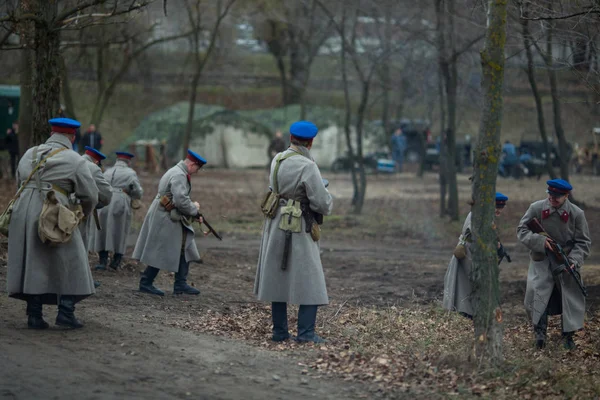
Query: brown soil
x=133, y=345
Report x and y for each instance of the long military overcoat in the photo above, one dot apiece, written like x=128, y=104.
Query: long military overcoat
x=303, y=281
x=34, y=267
x=104, y=197
x=161, y=238
x=565, y=224
x=115, y=219
x=457, y=282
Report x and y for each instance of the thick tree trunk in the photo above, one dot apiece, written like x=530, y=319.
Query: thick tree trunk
x=485, y=271
x=385, y=73
x=26, y=100
x=563, y=150
x=299, y=69
x=283, y=77
x=536, y=95
x=46, y=73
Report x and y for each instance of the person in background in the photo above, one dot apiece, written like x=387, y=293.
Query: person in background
x=12, y=145
x=92, y=138
x=276, y=146
x=398, y=148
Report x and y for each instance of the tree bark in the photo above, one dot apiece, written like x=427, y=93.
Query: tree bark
x=360, y=116
x=442, y=91
x=46, y=73
x=485, y=271
x=556, y=109
x=25, y=30
x=536, y=94
x=66, y=90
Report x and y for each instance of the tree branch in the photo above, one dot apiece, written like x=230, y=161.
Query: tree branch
x=591, y=10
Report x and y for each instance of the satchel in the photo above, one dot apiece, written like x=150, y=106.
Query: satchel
x=7, y=214
x=57, y=222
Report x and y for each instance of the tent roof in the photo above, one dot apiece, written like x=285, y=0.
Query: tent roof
x=10, y=91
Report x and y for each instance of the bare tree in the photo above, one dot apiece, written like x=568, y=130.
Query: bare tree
x=196, y=10
x=48, y=20
x=485, y=272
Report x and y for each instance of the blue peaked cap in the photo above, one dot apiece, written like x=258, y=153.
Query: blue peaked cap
x=501, y=197
x=64, y=122
x=304, y=130
x=92, y=150
x=195, y=157
x=124, y=154
x=560, y=185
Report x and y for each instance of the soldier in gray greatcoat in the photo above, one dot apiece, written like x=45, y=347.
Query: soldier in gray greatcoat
x=289, y=263
x=94, y=158
x=115, y=219
x=457, y=282
x=559, y=293
x=166, y=240
x=40, y=273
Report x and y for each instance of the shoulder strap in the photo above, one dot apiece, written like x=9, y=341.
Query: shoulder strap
x=36, y=168
x=277, y=162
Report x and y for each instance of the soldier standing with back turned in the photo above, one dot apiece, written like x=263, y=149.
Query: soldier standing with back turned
x=550, y=290
x=115, y=219
x=289, y=263
x=40, y=273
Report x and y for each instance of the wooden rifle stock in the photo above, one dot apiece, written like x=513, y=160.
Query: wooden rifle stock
x=210, y=228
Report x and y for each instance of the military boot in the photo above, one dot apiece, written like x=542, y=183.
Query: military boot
x=35, y=319
x=181, y=286
x=540, y=331
x=307, y=317
x=568, y=341
x=147, y=279
x=280, y=322
x=103, y=260
x=116, y=261
x=66, y=313
x=96, y=284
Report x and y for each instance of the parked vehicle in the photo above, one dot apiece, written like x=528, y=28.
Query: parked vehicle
x=344, y=164
x=432, y=156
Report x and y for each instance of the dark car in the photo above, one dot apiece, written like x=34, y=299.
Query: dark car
x=432, y=156
x=538, y=151
x=344, y=164
x=416, y=131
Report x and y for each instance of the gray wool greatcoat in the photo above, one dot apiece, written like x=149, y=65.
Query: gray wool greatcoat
x=161, y=239
x=457, y=282
x=115, y=219
x=104, y=197
x=303, y=281
x=568, y=299
x=35, y=268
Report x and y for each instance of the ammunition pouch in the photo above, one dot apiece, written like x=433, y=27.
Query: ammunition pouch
x=166, y=203
x=270, y=204
x=291, y=217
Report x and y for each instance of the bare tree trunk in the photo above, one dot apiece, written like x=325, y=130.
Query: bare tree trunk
x=360, y=116
x=485, y=271
x=26, y=100
x=192, y=108
x=385, y=73
x=284, y=83
x=442, y=91
x=46, y=73
x=536, y=95
x=66, y=90
x=563, y=151
x=348, y=117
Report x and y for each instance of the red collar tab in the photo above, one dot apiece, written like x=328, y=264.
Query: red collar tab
x=545, y=214
x=189, y=177
x=564, y=217
x=64, y=129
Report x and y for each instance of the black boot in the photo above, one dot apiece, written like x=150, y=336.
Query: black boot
x=116, y=261
x=96, y=284
x=540, y=331
x=35, y=319
x=568, y=341
x=307, y=316
x=181, y=286
x=66, y=313
x=280, y=322
x=103, y=255
x=147, y=280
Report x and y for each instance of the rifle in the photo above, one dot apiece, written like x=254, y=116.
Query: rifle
x=560, y=254
x=210, y=228
x=96, y=219
x=503, y=254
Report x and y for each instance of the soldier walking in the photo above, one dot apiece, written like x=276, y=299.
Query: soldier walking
x=40, y=273
x=115, y=219
x=166, y=240
x=457, y=282
x=551, y=290
x=289, y=263
x=94, y=159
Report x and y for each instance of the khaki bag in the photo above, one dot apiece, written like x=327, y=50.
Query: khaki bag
x=460, y=251
x=57, y=222
x=270, y=203
x=7, y=214
x=291, y=217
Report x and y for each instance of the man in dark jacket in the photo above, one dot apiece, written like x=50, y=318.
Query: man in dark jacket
x=12, y=145
x=276, y=146
x=91, y=138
